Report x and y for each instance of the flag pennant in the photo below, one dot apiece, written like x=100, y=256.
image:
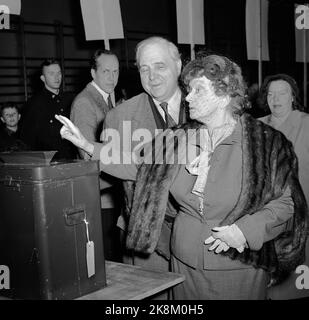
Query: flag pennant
x=302, y=33
x=257, y=27
x=13, y=5
x=190, y=21
x=102, y=19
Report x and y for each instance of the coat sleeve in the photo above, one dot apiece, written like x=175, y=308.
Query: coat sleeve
x=114, y=158
x=267, y=223
x=126, y=170
x=84, y=117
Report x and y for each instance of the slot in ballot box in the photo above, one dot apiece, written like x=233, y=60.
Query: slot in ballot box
x=50, y=226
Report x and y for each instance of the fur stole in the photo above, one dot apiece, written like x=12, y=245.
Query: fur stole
x=269, y=166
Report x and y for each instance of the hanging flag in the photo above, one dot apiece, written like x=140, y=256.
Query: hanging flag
x=302, y=32
x=257, y=27
x=190, y=21
x=102, y=19
x=13, y=5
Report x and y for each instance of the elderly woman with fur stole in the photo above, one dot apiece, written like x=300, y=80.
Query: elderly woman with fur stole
x=241, y=222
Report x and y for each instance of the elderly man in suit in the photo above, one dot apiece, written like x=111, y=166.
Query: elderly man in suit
x=162, y=105
x=88, y=112
x=159, y=107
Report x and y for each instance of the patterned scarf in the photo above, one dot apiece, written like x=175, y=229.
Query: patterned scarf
x=200, y=165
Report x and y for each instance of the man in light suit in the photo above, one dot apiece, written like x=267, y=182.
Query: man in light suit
x=91, y=105
x=159, y=64
x=88, y=112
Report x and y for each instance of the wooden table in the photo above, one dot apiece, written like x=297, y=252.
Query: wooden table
x=128, y=282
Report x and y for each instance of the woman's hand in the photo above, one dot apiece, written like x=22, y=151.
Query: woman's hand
x=226, y=237
x=70, y=132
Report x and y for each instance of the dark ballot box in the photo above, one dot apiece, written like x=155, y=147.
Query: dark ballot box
x=50, y=226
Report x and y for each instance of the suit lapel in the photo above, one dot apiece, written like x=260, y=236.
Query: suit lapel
x=144, y=114
x=154, y=114
x=183, y=111
x=160, y=123
x=99, y=100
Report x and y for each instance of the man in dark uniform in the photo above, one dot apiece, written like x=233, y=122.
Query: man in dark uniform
x=39, y=129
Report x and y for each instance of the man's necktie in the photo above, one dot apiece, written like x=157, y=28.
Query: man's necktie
x=109, y=102
x=169, y=121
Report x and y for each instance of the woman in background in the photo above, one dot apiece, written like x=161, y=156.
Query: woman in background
x=280, y=95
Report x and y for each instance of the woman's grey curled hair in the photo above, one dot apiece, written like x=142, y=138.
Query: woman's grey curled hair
x=225, y=75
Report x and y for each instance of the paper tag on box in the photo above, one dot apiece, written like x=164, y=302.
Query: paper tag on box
x=90, y=258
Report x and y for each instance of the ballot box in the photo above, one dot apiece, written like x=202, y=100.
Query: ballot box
x=50, y=226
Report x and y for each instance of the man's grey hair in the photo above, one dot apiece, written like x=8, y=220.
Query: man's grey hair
x=172, y=49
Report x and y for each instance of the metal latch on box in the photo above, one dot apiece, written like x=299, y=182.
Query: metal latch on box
x=75, y=215
x=14, y=183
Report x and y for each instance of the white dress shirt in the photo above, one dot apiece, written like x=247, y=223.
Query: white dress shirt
x=104, y=94
x=173, y=106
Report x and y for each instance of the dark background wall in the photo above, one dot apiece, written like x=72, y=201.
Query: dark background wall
x=224, y=33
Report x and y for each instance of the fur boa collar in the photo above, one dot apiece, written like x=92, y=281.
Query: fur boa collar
x=269, y=166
